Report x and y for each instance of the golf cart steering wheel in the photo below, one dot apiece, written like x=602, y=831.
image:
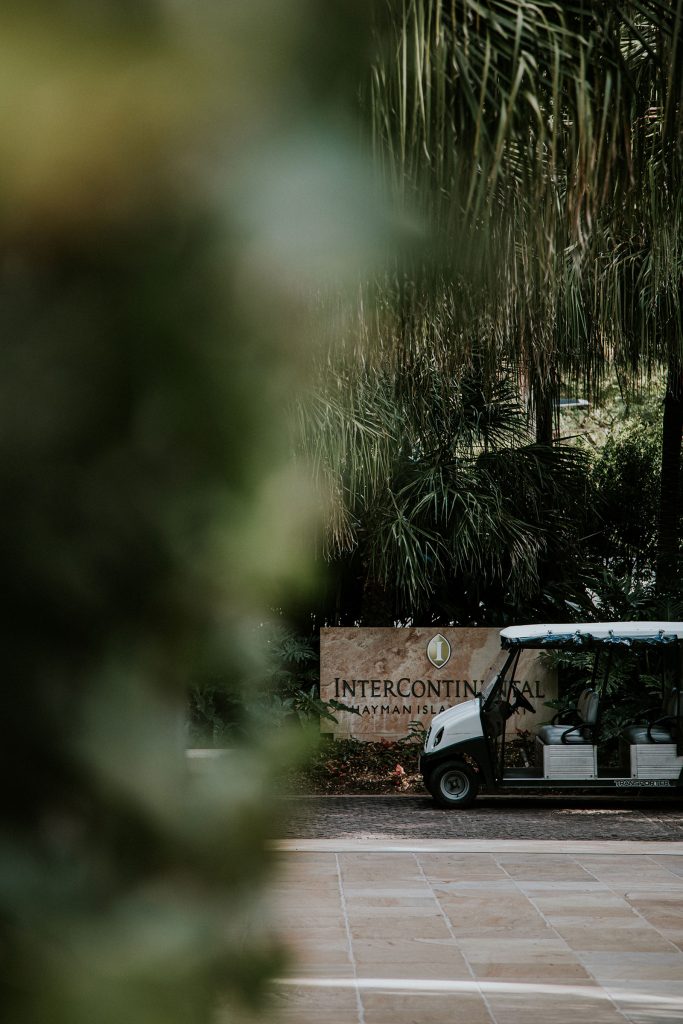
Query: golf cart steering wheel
x=520, y=700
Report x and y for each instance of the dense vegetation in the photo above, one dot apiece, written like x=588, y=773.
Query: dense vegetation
x=541, y=147
x=538, y=148
x=453, y=513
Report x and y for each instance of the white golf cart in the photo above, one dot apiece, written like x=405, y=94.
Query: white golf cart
x=465, y=745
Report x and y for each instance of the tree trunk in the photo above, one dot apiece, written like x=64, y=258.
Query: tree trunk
x=669, y=501
x=543, y=407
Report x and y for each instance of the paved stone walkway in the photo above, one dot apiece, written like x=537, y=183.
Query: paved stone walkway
x=480, y=932
x=516, y=911
x=416, y=817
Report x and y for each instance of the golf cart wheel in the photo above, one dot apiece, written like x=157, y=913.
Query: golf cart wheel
x=454, y=785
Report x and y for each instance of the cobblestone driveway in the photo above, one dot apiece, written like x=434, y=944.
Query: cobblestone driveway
x=416, y=817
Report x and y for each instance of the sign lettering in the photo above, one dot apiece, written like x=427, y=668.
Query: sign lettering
x=388, y=677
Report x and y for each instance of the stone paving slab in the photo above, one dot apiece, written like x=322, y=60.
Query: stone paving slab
x=556, y=909
x=480, y=932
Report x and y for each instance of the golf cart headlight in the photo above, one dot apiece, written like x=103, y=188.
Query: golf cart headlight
x=438, y=737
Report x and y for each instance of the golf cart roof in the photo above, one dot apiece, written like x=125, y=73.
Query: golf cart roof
x=591, y=634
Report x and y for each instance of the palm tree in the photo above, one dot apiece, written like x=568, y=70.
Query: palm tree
x=543, y=144
x=638, y=248
x=476, y=110
x=442, y=502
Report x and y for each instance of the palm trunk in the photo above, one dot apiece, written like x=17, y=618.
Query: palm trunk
x=543, y=407
x=669, y=501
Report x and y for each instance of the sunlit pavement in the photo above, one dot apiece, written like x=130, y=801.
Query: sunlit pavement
x=491, y=931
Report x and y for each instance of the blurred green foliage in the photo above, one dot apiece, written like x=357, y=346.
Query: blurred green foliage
x=287, y=692
x=156, y=249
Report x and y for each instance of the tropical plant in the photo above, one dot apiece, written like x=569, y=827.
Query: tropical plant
x=292, y=680
x=625, y=484
x=542, y=143
x=286, y=690
x=445, y=502
x=635, y=252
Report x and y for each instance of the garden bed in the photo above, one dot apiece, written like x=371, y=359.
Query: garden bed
x=347, y=767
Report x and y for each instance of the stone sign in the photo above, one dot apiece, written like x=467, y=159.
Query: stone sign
x=393, y=677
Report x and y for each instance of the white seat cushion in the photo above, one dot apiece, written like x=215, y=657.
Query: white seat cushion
x=552, y=735
x=639, y=734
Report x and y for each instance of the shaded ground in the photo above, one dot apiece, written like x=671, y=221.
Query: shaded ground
x=416, y=817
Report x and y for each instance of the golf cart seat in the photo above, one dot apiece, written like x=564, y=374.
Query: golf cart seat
x=581, y=731
x=661, y=730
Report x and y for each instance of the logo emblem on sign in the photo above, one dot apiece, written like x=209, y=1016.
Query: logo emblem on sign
x=438, y=651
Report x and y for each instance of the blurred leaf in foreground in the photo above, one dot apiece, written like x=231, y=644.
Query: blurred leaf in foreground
x=152, y=283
